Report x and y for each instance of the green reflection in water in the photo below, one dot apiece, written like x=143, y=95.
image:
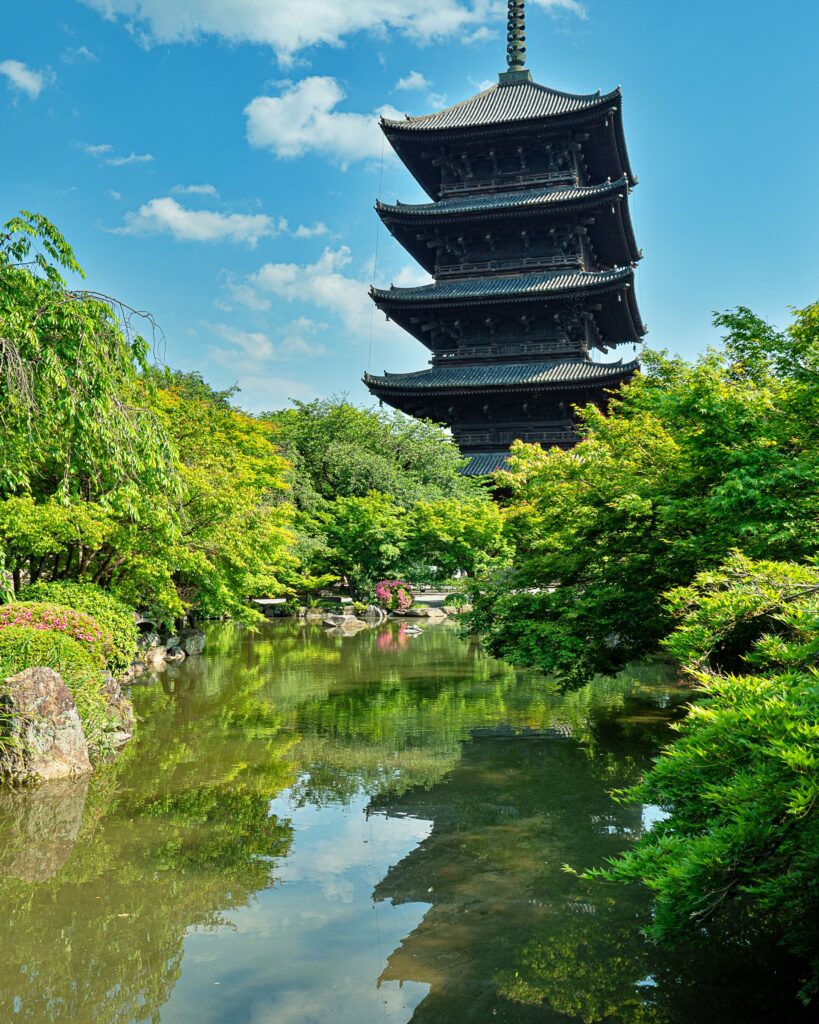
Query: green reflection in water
x=102, y=881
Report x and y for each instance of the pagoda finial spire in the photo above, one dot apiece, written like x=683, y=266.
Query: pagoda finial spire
x=515, y=44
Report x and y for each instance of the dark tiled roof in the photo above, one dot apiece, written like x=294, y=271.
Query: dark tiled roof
x=454, y=378
x=485, y=464
x=506, y=200
x=517, y=101
x=526, y=284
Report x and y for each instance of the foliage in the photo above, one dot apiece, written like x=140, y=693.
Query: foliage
x=340, y=450
x=449, y=537
x=61, y=619
x=394, y=595
x=366, y=537
x=148, y=485
x=116, y=617
x=71, y=419
x=692, y=461
x=235, y=517
x=24, y=647
x=741, y=784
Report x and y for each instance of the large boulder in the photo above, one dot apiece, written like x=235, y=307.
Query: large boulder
x=42, y=726
x=192, y=641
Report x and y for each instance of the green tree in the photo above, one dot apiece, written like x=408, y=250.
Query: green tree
x=451, y=536
x=692, y=461
x=367, y=537
x=341, y=450
x=235, y=516
x=740, y=845
x=72, y=421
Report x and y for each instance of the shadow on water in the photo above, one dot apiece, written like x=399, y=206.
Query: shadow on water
x=367, y=828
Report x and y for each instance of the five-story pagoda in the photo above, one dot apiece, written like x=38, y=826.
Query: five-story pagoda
x=530, y=243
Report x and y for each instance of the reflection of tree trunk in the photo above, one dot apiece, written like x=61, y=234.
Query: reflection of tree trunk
x=39, y=826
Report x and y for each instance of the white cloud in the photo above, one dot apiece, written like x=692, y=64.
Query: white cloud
x=290, y=27
x=244, y=295
x=25, y=79
x=132, y=158
x=96, y=149
x=330, y=283
x=411, y=276
x=253, y=344
x=80, y=54
x=100, y=149
x=314, y=231
x=304, y=118
x=195, y=190
x=166, y=215
x=323, y=284
x=414, y=80
x=114, y=194
x=254, y=347
x=567, y=6
x=247, y=355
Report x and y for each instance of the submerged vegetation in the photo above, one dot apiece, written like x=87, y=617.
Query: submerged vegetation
x=685, y=521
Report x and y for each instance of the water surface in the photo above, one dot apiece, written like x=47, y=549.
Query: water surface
x=366, y=829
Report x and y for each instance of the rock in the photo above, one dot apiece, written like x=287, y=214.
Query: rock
x=352, y=625
x=421, y=611
x=457, y=609
x=192, y=641
x=374, y=613
x=39, y=827
x=123, y=711
x=44, y=727
x=170, y=643
x=338, y=620
x=147, y=640
x=154, y=657
x=313, y=615
x=348, y=628
x=175, y=655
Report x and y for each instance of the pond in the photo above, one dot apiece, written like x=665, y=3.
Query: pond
x=373, y=828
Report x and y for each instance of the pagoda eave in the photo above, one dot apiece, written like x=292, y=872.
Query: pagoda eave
x=425, y=386
x=613, y=236
x=411, y=144
x=617, y=318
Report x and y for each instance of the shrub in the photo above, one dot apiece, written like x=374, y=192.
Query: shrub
x=58, y=618
x=741, y=783
x=24, y=647
x=113, y=615
x=394, y=595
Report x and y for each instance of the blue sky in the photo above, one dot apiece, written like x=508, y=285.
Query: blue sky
x=216, y=163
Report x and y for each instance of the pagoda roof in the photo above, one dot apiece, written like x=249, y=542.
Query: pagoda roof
x=492, y=201
x=513, y=107
x=559, y=373
x=613, y=236
x=504, y=102
x=486, y=463
x=504, y=288
x=617, y=321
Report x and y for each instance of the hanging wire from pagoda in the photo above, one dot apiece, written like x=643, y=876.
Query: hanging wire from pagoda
x=516, y=35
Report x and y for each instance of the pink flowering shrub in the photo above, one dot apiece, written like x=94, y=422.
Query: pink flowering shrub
x=58, y=618
x=394, y=595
